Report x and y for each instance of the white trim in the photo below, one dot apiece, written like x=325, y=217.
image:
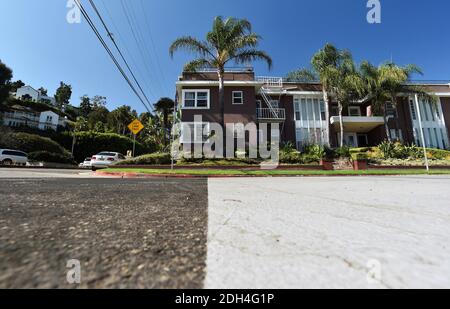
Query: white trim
x=241, y=97
x=216, y=83
x=196, y=98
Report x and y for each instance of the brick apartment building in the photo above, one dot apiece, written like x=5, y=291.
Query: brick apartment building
x=299, y=109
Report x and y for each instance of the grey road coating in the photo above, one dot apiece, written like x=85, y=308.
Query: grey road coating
x=125, y=233
x=329, y=232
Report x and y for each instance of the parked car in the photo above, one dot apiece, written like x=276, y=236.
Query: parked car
x=86, y=163
x=105, y=158
x=10, y=157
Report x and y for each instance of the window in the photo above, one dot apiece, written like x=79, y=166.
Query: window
x=322, y=110
x=196, y=99
x=413, y=110
x=396, y=135
x=297, y=109
x=391, y=110
x=334, y=111
x=195, y=132
x=275, y=103
x=354, y=111
x=238, y=97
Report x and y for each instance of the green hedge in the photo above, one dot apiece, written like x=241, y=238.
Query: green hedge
x=30, y=143
x=90, y=143
x=149, y=159
x=45, y=156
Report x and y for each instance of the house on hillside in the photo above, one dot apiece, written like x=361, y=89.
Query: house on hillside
x=18, y=116
x=28, y=92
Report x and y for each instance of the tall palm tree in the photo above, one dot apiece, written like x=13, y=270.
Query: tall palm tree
x=230, y=40
x=165, y=106
x=339, y=78
x=325, y=59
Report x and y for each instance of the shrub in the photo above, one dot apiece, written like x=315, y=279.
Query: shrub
x=315, y=151
x=148, y=159
x=342, y=152
x=45, y=156
x=359, y=156
x=437, y=154
x=31, y=143
x=218, y=161
x=292, y=157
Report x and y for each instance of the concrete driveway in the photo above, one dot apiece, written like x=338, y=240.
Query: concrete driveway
x=358, y=232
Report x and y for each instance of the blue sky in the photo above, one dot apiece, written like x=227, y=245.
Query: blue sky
x=43, y=49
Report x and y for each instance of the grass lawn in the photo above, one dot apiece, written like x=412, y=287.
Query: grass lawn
x=216, y=172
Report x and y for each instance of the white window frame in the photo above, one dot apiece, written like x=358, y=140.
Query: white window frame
x=350, y=108
x=241, y=97
x=195, y=140
x=196, y=91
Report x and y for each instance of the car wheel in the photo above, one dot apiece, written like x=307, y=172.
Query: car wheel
x=93, y=169
x=7, y=162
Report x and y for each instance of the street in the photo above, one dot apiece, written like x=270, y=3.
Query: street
x=311, y=232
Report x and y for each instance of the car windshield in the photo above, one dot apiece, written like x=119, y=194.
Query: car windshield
x=87, y=159
x=107, y=154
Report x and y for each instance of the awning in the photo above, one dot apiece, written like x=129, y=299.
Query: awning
x=357, y=124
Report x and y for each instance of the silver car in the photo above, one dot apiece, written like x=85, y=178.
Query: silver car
x=104, y=159
x=13, y=157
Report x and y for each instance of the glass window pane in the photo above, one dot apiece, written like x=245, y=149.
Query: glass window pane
x=316, y=109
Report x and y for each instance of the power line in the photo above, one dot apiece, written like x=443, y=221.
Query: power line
x=138, y=37
x=108, y=50
x=118, y=49
x=130, y=54
x=147, y=22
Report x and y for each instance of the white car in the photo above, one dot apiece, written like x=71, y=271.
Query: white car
x=86, y=163
x=105, y=158
x=10, y=157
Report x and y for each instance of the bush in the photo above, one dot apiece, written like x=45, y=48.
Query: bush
x=342, y=152
x=90, y=143
x=45, y=156
x=359, y=156
x=437, y=154
x=218, y=161
x=149, y=159
x=292, y=157
x=30, y=143
x=315, y=151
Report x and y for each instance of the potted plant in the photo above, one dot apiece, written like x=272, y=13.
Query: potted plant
x=359, y=161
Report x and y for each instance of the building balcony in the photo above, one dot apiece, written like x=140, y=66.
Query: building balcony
x=357, y=124
x=271, y=114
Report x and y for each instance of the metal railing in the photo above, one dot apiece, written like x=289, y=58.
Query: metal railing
x=271, y=114
x=271, y=82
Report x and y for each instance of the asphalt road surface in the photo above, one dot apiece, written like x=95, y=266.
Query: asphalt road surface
x=125, y=233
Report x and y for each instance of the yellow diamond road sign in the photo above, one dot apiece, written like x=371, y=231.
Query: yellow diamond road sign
x=136, y=127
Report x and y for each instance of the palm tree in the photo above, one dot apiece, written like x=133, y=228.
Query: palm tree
x=302, y=75
x=386, y=82
x=326, y=58
x=230, y=40
x=339, y=78
x=165, y=106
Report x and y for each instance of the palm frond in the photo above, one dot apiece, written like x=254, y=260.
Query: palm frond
x=196, y=64
x=190, y=44
x=250, y=55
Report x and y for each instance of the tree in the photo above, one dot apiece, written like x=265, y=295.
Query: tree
x=85, y=106
x=16, y=85
x=386, y=82
x=99, y=114
x=346, y=85
x=62, y=96
x=302, y=76
x=326, y=58
x=5, y=78
x=43, y=91
x=78, y=126
x=165, y=106
x=120, y=118
x=230, y=40
x=98, y=101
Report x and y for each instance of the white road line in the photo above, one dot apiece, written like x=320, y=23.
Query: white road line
x=329, y=232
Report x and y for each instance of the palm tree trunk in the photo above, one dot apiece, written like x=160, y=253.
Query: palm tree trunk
x=326, y=100
x=221, y=72
x=341, y=125
x=386, y=125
